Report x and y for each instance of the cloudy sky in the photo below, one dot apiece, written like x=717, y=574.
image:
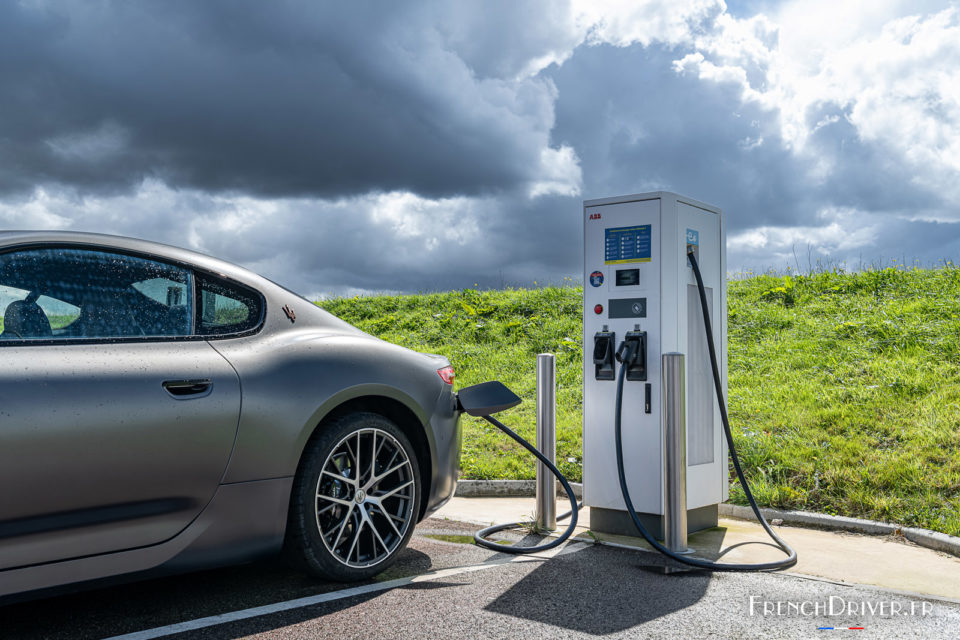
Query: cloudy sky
x=405, y=146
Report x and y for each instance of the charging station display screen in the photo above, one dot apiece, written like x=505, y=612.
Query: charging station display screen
x=628, y=277
x=627, y=244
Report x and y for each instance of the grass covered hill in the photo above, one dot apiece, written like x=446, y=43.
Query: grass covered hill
x=844, y=388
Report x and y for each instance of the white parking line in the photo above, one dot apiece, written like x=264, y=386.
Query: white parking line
x=253, y=612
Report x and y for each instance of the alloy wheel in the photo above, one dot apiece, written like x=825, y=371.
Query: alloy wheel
x=365, y=498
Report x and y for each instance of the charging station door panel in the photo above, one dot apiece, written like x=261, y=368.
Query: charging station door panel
x=707, y=479
x=622, y=290
x=700, y=393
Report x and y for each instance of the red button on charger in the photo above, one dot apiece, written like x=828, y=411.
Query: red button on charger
x=598, y=309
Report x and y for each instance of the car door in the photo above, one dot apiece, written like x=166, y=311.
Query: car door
x=116, y=422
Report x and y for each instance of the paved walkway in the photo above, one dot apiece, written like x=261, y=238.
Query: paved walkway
x=880, y=561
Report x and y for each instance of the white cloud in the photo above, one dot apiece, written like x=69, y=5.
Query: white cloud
x=842, y=232
x=626, y=22
x=560, y=171
x=429, y=223
x=895, y=78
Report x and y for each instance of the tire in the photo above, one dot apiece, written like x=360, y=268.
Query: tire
x=349, y=526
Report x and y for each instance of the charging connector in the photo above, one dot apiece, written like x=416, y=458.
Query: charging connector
x=633, y=354
x=604, y=343
x=693, y=250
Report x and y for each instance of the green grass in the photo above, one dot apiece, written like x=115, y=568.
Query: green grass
x=493, y=335
x=844, y=388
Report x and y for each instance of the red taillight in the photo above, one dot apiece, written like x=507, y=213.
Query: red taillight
x=446, y=374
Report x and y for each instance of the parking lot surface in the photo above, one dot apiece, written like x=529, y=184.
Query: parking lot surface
x=464, y=591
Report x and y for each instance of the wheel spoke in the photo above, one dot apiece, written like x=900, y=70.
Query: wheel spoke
x=346, y=503
x=393, y=517
x=343, y=525
x=377, y=450
x=359, y=472
x=356, y=538
x=376, y=534
x=392, y=492
x=340, y=477
x=389, y=519
x=392, y=458
x=389, y=471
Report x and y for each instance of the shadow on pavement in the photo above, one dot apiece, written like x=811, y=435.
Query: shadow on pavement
x=602, y=590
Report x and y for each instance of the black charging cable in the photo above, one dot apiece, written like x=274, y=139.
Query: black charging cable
x=628, y=354
x=480, y=537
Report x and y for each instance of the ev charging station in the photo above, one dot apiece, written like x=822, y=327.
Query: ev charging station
x=639, y=286
x=655, y=426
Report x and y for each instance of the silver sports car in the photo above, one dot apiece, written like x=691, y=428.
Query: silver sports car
x=161, y=410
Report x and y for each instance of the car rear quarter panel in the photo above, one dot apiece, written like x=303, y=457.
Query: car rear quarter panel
x=290, y=380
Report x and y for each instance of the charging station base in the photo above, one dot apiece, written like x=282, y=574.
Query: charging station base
x=619, y=523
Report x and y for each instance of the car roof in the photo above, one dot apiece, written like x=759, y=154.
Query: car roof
x=11, y=239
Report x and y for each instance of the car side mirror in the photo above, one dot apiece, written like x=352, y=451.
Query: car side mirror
x=486, y=398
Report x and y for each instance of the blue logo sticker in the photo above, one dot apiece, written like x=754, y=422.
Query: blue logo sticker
x=596, y=278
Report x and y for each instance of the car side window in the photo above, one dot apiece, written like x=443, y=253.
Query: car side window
x=70, y=293
x=227, y=308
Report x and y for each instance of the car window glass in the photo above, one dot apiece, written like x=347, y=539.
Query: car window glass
x=227, y=308
x=173, y=297
x=35, y=318
x=81, y=294
x=59, y=313
x=8, y=296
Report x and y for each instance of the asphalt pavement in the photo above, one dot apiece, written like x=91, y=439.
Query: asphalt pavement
x=582, y=591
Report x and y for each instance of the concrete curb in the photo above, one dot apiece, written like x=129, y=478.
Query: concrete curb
x=923, y=537
x=507, y=489
x=818, y=520
x=933, y=540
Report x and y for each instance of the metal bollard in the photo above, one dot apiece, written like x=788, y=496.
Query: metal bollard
x=546, y=512
x=675, y=453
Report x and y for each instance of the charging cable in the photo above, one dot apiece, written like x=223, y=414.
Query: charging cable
x=627, y=355
x=480, y=537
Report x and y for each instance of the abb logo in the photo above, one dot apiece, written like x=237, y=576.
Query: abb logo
x=594, y=216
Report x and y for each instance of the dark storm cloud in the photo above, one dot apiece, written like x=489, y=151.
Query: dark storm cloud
x=268, y=98
x=638, y=125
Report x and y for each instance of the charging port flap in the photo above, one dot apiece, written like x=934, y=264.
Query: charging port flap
x=486, y=398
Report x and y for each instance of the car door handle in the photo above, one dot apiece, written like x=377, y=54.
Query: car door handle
x=184, y=388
